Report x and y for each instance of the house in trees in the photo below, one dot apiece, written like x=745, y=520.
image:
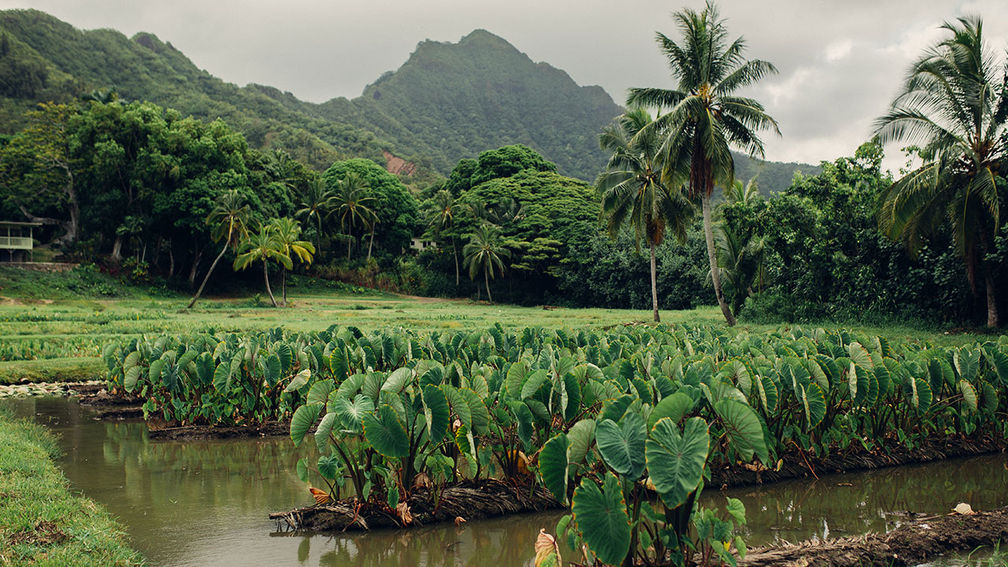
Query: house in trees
x=17, y=240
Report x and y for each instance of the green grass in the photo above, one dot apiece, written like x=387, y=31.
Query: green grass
x=63, y=320
x=41, y=523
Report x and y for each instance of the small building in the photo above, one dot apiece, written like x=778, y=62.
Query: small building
x=18, y=240
x=419, y=244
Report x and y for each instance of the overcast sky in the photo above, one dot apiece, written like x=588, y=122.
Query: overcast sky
x=840, y=61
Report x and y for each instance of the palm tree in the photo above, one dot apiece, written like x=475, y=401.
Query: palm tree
x=262, y=246
x=317, y=202
x=705, y=118
x=353, y=205
x=954, y=105
x=229, y=222
x=441, y=218
x=287, y=231
x=633, y=187
x=485, y=253
x=743, y=194
x=740, y=264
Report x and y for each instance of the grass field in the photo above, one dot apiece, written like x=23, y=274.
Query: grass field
x=60, y=339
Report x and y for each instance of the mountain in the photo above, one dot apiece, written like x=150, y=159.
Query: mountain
x=446, y=102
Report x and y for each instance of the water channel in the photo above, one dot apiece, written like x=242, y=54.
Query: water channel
x=206, y=502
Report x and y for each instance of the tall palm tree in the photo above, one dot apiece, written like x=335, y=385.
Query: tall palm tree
x=440, y=215
x=633, y=187
x=353, y=205
x=743, y=194
x=317, y=203
x=705, y=118
x=485, y=253
x=262, y=246
x=229, y=222
x=954, y=105
x=287, y=232
x=740, y=264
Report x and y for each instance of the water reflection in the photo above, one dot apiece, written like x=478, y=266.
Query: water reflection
x=206, y=502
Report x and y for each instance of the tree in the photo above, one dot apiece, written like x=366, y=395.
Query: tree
x=262, y=246
x=485, y=253
x=743, y=194
x=633, y=187
x=740, y=263
x=317, y=202
x=440, y=216
x=705, y=117
x=353, y=206
x=287, y=231
x=954, y=104
x=229, y=220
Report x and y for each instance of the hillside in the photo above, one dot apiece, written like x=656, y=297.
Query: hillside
x=446, y=102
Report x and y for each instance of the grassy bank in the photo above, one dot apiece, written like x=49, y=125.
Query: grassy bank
x=41, y=523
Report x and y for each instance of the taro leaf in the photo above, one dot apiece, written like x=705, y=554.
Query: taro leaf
x=533, y=383
x=296, y=383
x=386, y=433
x=675, y=462
x=132, y=375
x=304, y=417
x=351, y=413
x=768, y=394
x=273, y=371
x=572, y=391
x=371, y=386
x=859, y=355
x=580, y=437
x=615, y=409
x=286, y=356
x=221, y=379
x=745, y=433
x=132, y=359
x=338, y=364
x=319, y=392
x=523, y=415
x=459, y=405
x=920, y=393
x=989, y=397
x=602, y=519
x=814, y=404
x=969, y=394
x=997, y=359
x=302, y=469
x=323, y=431
x=515, y=376
x=329, y=466
x=480, y=416
x=397, y=380
x=967, y=363
x=622, y=445
x=154, y=372
x=675, y=407
x=553, y=466
x=436, y=412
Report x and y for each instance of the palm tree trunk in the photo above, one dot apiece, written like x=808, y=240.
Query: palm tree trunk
x=993, y=321
x=455, y=254
x=268, y=290
x=283, y=285
x=206, y=278
x=654, y=284
x=711, y=256
x=486, y=280
x=348, y=243
x=370, y=245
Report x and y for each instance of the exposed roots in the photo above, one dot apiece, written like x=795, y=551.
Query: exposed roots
x=909, y=544
x=466, y=500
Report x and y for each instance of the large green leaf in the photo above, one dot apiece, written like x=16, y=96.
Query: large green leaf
x=397, y=380
x=602, y=519
x=966, y=363
x=580, y=437
x=553, y=466
x=675, y=462
x=299, y=380
x=324, y=429
x=386, y=433
x=319, y=392
x=533, y=383
x=768, y=394
x=675, y=407
x=478, y=412
x=351, y=412
x=273, y=370
x=745, y=433
x=304, y=417
x=814, y=404
x=436, y=412
x=969, y=394
x=622, y=445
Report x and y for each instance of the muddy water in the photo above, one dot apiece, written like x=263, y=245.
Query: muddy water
x=206, y=502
